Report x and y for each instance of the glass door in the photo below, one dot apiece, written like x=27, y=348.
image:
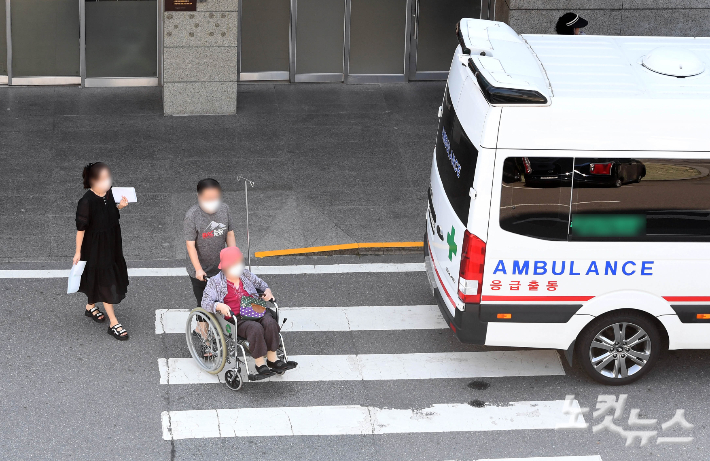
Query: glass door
x=377, y=40
x=433, y=35
x=319, y=40
x=121, y=39
x=45, y=42
x=265, y=40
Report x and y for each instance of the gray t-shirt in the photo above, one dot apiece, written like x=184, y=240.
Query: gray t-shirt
x=209, y=232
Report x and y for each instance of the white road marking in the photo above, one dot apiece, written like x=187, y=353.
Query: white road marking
x=259, y=270
x=550, y=458
x=359, y=420
x=380, y=367
x=34, y=274
x=352, y=318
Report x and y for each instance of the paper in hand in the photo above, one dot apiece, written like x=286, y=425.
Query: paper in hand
x=128, y=192
x=75, y=277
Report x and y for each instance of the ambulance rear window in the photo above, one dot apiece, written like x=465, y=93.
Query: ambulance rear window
x=535, y=196
x=455, y=159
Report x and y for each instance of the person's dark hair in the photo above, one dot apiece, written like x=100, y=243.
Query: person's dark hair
x=208, y=183
x=91, y=173
x=568, y=22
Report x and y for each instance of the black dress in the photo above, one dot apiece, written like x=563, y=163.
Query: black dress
x=105, y=277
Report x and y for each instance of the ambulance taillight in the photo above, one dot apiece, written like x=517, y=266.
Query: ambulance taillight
x=528, y=167
x=471, y=269
x=600, y=168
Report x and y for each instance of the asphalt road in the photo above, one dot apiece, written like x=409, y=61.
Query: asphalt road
x=332, y=164
x=70, y=391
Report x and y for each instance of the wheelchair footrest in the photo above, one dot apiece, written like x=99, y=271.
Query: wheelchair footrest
x=257, y=377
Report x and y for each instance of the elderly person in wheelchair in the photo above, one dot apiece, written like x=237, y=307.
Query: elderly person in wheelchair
x=225, y=293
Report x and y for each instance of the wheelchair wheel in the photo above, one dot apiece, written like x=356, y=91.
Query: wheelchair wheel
x=206, y=341
x=233, y=379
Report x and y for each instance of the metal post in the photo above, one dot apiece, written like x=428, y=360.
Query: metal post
x=82, y=42
x=410, y=33
x=8, y=29
x=292, y=41
x=159, y=51
x=346, y=43
x=239, y=41
x=247, y=182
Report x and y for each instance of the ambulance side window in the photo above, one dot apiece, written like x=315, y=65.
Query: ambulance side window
x=456, y=159
x=535, y=196
x=639, y=199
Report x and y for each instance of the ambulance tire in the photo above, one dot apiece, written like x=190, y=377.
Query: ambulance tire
x=653, y=342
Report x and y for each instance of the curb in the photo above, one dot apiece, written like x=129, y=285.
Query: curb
x=374, y=248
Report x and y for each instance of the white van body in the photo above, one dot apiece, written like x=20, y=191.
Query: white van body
x=588, y=160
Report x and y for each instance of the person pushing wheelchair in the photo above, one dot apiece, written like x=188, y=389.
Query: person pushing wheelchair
x=231, y=293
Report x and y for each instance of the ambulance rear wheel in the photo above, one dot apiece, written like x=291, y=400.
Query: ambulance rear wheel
x=618, y=349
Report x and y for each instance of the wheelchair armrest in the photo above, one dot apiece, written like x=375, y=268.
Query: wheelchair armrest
x=274, y=313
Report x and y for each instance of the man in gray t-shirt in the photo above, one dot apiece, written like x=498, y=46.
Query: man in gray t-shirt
x=208, y=227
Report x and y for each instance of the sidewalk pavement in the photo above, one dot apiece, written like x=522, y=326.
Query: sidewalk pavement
x=332, y=164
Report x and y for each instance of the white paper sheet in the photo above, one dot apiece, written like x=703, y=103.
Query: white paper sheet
x=75, y=277
x=128, y=192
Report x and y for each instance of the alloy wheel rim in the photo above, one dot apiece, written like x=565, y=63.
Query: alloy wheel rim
x=620, y=350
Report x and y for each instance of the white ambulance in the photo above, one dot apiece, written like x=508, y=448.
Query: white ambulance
x=569, y=204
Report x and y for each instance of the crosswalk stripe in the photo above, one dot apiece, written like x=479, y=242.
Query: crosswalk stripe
x=379, y=367
x=549, y=458
x=259, y=270
x=352, y=318
x=360, y=420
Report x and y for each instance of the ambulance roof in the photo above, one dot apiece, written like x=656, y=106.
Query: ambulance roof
x=604, y=93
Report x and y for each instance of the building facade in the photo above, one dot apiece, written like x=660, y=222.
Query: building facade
x=199, y=50
x=122, y=42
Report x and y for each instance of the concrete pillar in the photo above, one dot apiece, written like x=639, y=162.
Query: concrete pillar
x=200, y=59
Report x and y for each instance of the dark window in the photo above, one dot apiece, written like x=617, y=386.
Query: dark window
x=535, y=196
x=455, y=159
x=625, y=199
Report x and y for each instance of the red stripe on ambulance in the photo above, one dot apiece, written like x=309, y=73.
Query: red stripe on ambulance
x=536, y=298
x=433, y=264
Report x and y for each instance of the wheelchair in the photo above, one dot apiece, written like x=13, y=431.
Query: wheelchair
x=218, y=350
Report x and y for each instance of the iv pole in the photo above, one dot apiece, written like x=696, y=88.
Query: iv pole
x=247, y=182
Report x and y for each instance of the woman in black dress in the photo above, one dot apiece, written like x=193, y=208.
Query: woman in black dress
x=98, y=242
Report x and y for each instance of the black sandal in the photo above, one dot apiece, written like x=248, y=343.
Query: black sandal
x=262, y=372
x=95, y=314
x=280, y=366
x=118, y=332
